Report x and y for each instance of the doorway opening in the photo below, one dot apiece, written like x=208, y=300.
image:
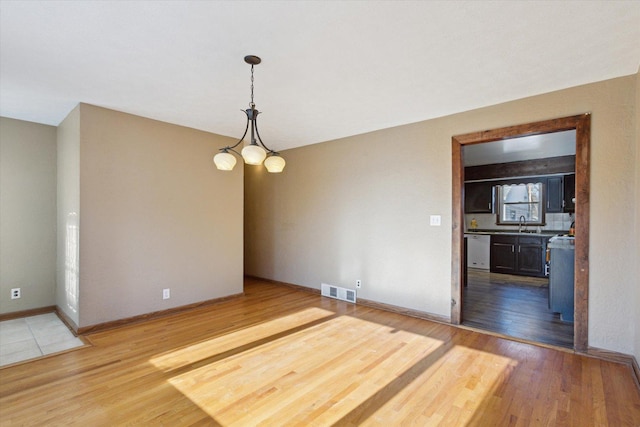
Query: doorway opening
x=581, y=124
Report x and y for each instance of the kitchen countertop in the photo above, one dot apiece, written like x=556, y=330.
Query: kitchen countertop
x=545, y=233
x=562, y=242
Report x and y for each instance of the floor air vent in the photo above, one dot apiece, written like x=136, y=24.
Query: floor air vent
x=338, y=293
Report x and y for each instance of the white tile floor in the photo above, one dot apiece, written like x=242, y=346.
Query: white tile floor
x=35, y=336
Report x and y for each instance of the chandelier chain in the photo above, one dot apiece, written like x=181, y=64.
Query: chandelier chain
x=252, y=104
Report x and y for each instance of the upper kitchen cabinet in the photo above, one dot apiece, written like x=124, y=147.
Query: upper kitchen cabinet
x=555, y=194
x=569, y=193
x=478, y=197
x=508, y=161
x=561, y=190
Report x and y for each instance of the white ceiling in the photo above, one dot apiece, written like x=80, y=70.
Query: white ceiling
x=330, y=69
x=522, y=148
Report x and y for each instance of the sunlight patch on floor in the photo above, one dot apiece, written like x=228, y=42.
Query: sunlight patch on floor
x=473, y=374
x=237, y=339
x=325, y=373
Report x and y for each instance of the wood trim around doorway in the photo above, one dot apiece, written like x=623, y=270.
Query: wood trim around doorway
x=582, y=124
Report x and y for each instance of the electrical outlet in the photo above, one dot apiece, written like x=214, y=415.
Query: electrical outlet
x=435, y=220
x=15, y=293
x=358, y=283
x=166, y=293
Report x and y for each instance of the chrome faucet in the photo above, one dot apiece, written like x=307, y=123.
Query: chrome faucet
x=522, y=224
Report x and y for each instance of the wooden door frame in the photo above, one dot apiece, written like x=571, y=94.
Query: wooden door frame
x=582, y=125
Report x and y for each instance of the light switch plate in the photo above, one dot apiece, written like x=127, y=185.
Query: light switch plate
x=435, y=220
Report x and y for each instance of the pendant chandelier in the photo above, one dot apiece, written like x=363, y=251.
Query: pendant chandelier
x=256, y=152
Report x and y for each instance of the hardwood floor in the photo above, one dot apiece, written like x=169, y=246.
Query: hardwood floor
x=278, y=356
x=516, y=306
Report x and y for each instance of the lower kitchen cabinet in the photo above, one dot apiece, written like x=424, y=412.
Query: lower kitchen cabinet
x=523, y=255
x=531, y=255
x=503, y=254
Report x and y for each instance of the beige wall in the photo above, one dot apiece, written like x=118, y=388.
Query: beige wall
x=343, y=211
x=154, y=213
x=358, y=208
x=68, y=216
x=636, y=286
x=27, y=214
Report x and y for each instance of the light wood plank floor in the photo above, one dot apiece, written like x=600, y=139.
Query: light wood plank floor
x=278, y=357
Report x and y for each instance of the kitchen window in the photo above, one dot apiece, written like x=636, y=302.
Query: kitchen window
x=520, y=204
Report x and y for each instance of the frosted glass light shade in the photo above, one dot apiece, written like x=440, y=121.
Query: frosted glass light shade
x=274, y=164
x=224, y=161
x=253, y=154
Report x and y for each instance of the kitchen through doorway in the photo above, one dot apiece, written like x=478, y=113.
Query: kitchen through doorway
x=513, y=304
x=517, y=304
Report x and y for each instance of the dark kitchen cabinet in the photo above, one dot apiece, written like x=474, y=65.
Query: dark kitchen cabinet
x=559, y=192
x=569, y=193
x=555, y=194
x=478, y=197
x=502, y=258
x=523, y=255
x=531, y=255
